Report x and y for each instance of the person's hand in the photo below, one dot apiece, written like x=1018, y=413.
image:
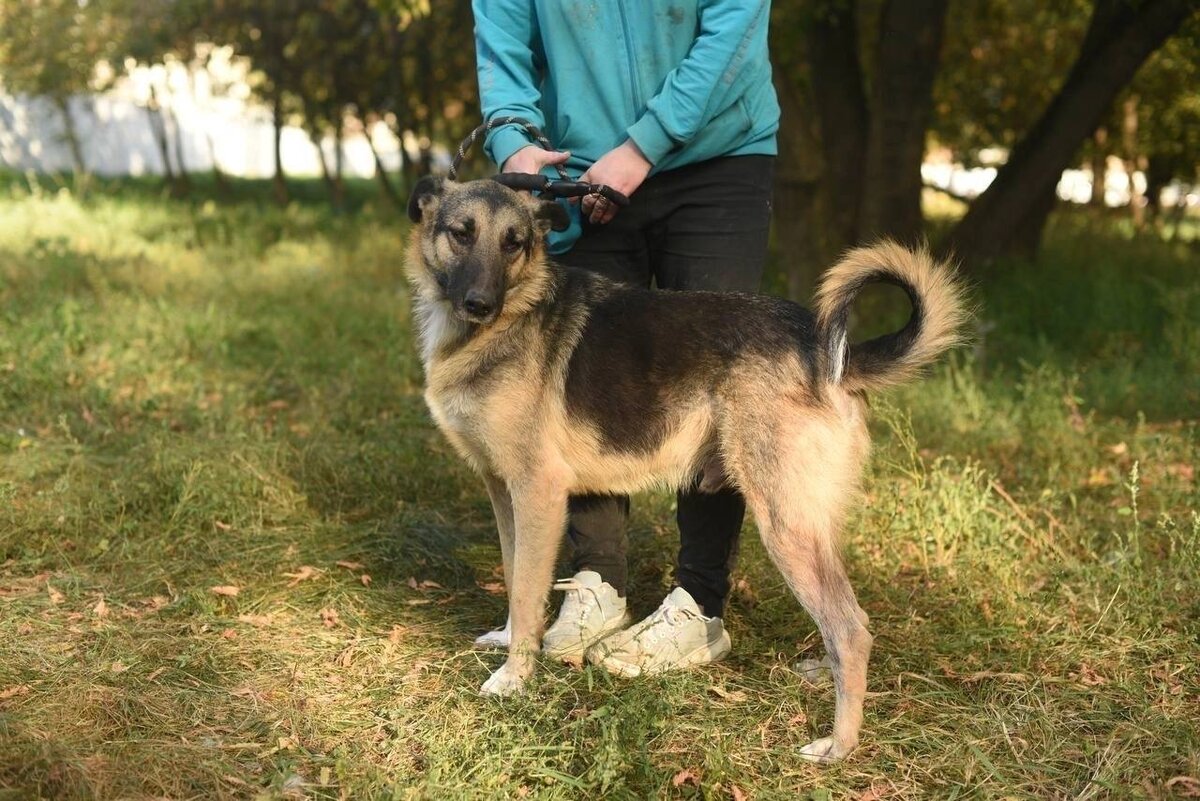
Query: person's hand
x=531, y=159
x=624, y=168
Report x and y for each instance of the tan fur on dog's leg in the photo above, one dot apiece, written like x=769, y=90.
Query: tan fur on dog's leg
x=797, y=499
x=540, y=514
x=505, y=527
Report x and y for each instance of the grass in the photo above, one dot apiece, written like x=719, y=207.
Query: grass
x=200, y=396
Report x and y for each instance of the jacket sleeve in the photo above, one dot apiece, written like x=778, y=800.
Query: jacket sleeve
x=508, y=66
x=696, y=90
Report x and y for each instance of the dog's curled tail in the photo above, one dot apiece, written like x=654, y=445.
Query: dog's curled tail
x=938, y=313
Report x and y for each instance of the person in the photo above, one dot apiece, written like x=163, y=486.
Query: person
x=671, y=103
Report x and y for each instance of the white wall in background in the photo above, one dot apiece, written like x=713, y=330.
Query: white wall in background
x=208, y=106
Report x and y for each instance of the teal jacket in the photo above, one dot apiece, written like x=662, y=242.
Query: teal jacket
x=686, y=80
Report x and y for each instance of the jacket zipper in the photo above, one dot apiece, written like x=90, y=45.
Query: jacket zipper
x=629, y=59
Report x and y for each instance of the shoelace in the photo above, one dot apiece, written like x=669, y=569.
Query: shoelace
x=672, y=615
x=575, y=605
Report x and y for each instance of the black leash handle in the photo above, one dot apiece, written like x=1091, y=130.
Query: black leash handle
x=564, y=187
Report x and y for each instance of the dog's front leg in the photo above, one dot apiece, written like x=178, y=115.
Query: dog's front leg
x=540, y=514
x=503, y=509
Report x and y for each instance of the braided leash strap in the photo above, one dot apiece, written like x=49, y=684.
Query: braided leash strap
x=497, y=122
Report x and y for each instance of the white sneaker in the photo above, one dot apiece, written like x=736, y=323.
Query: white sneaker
x=495, y=640
x=677, y=635
x=591, y=611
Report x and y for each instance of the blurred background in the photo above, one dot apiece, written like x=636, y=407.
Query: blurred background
x=1028, y=104
x=238, y=561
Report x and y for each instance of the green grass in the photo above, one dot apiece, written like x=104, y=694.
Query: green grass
x=198, y=395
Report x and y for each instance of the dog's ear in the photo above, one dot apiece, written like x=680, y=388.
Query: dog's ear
x=425, y=196
x=550, y=215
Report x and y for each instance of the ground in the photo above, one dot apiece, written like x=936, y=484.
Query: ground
x=237, y=561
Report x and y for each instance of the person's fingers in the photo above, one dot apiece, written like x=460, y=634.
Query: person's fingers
x=556, y=156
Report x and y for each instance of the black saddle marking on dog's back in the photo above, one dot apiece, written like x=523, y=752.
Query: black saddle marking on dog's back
x=642, y=353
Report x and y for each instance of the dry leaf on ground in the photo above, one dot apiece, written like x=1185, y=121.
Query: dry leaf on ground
x=303, y=574
x=226, y=590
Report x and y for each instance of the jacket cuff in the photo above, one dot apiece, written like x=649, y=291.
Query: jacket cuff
x=651, y=138
x=505, y=141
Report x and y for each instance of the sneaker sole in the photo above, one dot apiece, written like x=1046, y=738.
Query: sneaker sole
x=574, y=653
x=700, y=656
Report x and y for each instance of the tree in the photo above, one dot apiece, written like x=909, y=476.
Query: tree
x=50, y=48
x=1120, y=37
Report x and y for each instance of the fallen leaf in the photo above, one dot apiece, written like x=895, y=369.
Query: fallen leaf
x=685, y=776
x=346, y=657
x=227, y=590
x=229, y=634
x=1098, y=477
x=1120, y=449
x=222, y=526
x=396, y=633
x=13, y=692
x=25, y=628
x=430, y=585
x=329, y=617
x=1089, y=677
x=412, y=582
x=156, y=673
x=494, y=587
x=350, y=565
x=798, y=719
x=56, y=597
x=728, y=695
x=118, y=667
x=101, y=608
x=365, y=579
x=745, y=593
x=303, y=574
x=256, y=620
x=738, y=794
x=1188, y=786
x=418, y=601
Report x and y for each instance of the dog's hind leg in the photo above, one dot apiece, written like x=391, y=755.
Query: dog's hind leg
x=503, y=510
x=797, y=499
x=540, y=517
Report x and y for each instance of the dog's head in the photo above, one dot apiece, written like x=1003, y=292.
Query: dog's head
x=477, y=242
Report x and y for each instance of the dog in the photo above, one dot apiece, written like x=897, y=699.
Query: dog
x=551, y=381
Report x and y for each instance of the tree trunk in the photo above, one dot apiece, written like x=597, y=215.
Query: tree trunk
x=79, y=166
x=1036, y=163
x=1099, y=167
x=220, y=183
x=1129, y=132
x=910, y=43
x=158, y=129
x=841, y=109
x=339, y=184
x=800, y=237
x=385, y=183
x=314, y=136
x=183, y=184
x=282, y=195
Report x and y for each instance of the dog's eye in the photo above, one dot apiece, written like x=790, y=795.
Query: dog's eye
x=461, y=235
x=512, y=244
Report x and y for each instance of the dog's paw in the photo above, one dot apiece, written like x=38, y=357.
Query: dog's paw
x=817, y=672
x=505, y=681
x=495, y=640
x=824, y=751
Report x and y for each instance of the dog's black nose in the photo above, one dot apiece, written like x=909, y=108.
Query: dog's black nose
x=477, y=304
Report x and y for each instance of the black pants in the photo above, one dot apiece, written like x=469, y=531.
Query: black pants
x=703, y=226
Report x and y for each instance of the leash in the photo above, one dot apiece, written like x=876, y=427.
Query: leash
x=563, y=187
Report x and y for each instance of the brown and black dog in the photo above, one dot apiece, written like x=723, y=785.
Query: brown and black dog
x=553, y=381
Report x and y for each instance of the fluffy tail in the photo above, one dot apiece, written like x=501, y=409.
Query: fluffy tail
x=938, y=312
